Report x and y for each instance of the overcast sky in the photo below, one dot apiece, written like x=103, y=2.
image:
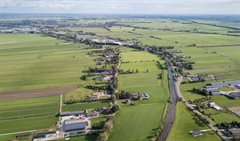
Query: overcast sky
x=122, y=6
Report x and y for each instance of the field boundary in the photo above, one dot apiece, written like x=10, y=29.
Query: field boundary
x=36, y=93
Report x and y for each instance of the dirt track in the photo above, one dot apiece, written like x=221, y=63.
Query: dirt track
x=35, y=93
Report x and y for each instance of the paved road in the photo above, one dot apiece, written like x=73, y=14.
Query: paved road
x=171, y=108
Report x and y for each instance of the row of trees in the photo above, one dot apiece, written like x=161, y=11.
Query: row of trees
x=200, y=100
x=107, y=129
x=228, y=125
x=128, y=71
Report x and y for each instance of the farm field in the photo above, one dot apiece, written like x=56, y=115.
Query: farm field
x=30, y=62
x=35, y=70
x=28, y=114
x=186, y=122
x=128, y=118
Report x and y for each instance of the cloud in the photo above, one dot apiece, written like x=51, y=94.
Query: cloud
x=122, y=6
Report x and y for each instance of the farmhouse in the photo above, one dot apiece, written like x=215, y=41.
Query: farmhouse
x=211, y=90
x=135, y=96
x=85, y=36
x=127, y=101
x=225, y=84
x=235, y=132
x=72, y=113
x=234, y=95
x=215, y=106
x=92, y=114
x=46, y=136
x=97, y=95
x=106, y=78
x=196, y=133
x=107, y=72
x=79, y=124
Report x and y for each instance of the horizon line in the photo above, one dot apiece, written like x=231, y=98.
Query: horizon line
x=169, y=14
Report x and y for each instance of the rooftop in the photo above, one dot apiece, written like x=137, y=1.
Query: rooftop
x=235, y=131
x=196, y=133
x=71, y=125
x=72, y=113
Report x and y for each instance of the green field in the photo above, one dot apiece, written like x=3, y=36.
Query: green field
x=32, y=62
x=133, y=123
x=186, y=122
x=35, y=62
x=28, y=114
x=136, y=122
x=86, y=105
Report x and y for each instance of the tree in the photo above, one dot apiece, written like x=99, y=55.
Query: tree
x=114, y=98
x=114, y=108
x=136, y=70
x=84, y=77
x=102, y=137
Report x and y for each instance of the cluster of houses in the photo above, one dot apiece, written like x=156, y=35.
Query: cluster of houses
x=213, y=88
x=195, y=78
x=85, y=36
x=71, y=124
x=21, y=30
x=98, y=95
x=108, y=56
x=104, y=76
x=200, y=77
x=137, y=96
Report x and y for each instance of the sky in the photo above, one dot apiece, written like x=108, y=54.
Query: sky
x=215, y=7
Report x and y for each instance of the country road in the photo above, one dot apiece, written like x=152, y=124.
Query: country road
x=171, y=108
